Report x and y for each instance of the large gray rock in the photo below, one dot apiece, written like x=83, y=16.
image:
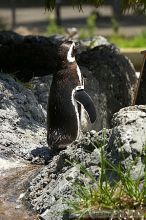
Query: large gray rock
x=123, y=144
x=22, y=120
x=40, y=88
x=49, y=189
x=128, y=138
x=109, y=79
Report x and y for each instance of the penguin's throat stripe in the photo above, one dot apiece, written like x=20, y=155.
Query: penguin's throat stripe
x=72, y=59
x=69, y=54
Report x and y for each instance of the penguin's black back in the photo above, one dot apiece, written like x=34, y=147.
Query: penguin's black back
x=62, y=119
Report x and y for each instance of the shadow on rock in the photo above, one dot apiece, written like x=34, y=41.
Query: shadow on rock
x=43, y=154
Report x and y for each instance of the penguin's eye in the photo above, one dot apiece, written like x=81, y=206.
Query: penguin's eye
x=74, y=51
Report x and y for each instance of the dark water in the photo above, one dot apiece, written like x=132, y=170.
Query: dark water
x=12, y=185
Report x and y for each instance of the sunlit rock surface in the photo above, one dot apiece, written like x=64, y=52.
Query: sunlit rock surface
x=110, y=81
x=123, y=144
x=22, y=120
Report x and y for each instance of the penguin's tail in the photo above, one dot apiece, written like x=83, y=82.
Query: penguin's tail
x=59, y=140
x=52, y=138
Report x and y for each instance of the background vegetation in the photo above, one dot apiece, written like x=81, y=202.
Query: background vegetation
x=136, y=5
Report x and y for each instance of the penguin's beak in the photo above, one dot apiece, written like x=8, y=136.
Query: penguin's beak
x=83, y=98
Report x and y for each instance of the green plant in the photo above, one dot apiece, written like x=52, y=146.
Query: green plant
x=115, y=25
x=131, y=42
x=91, y=22
x=53, y=28
x=90, y=29
x=119, y=199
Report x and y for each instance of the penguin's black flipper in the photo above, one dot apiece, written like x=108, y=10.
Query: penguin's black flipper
x=82, y=97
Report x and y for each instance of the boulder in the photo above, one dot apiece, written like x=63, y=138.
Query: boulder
x=109, y=79
x=123, y=144
x=22, y=120
x=128, y=138
x=23, y=135
x=28, y=56
x=49, y=189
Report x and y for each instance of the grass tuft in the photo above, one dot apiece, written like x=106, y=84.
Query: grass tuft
x=124, y=198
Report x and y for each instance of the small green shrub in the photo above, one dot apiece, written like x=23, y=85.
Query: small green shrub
x=115, y=25
x=90, y=29
x=53, y=28
x=138, y=41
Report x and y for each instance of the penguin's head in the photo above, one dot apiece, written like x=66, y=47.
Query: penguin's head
x=67, y=51
x=71, y=71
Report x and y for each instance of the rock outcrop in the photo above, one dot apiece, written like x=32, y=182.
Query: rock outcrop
x=27, y=56
x=123, y=144
x=128, y=137
x=22, y=119
x=109, y=80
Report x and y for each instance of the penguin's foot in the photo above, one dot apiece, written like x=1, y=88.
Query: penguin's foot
x=55, y=150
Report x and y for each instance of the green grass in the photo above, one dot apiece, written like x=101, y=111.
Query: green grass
x=138, y=41
x=119, y=199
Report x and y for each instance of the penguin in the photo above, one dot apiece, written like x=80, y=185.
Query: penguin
x=66, y=94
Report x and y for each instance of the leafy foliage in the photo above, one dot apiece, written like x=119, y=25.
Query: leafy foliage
x=53, y=28
x=50, y=4
x=135, y=5
x=90, y=29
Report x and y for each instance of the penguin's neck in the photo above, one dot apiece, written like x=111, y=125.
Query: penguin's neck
x=65, y=64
